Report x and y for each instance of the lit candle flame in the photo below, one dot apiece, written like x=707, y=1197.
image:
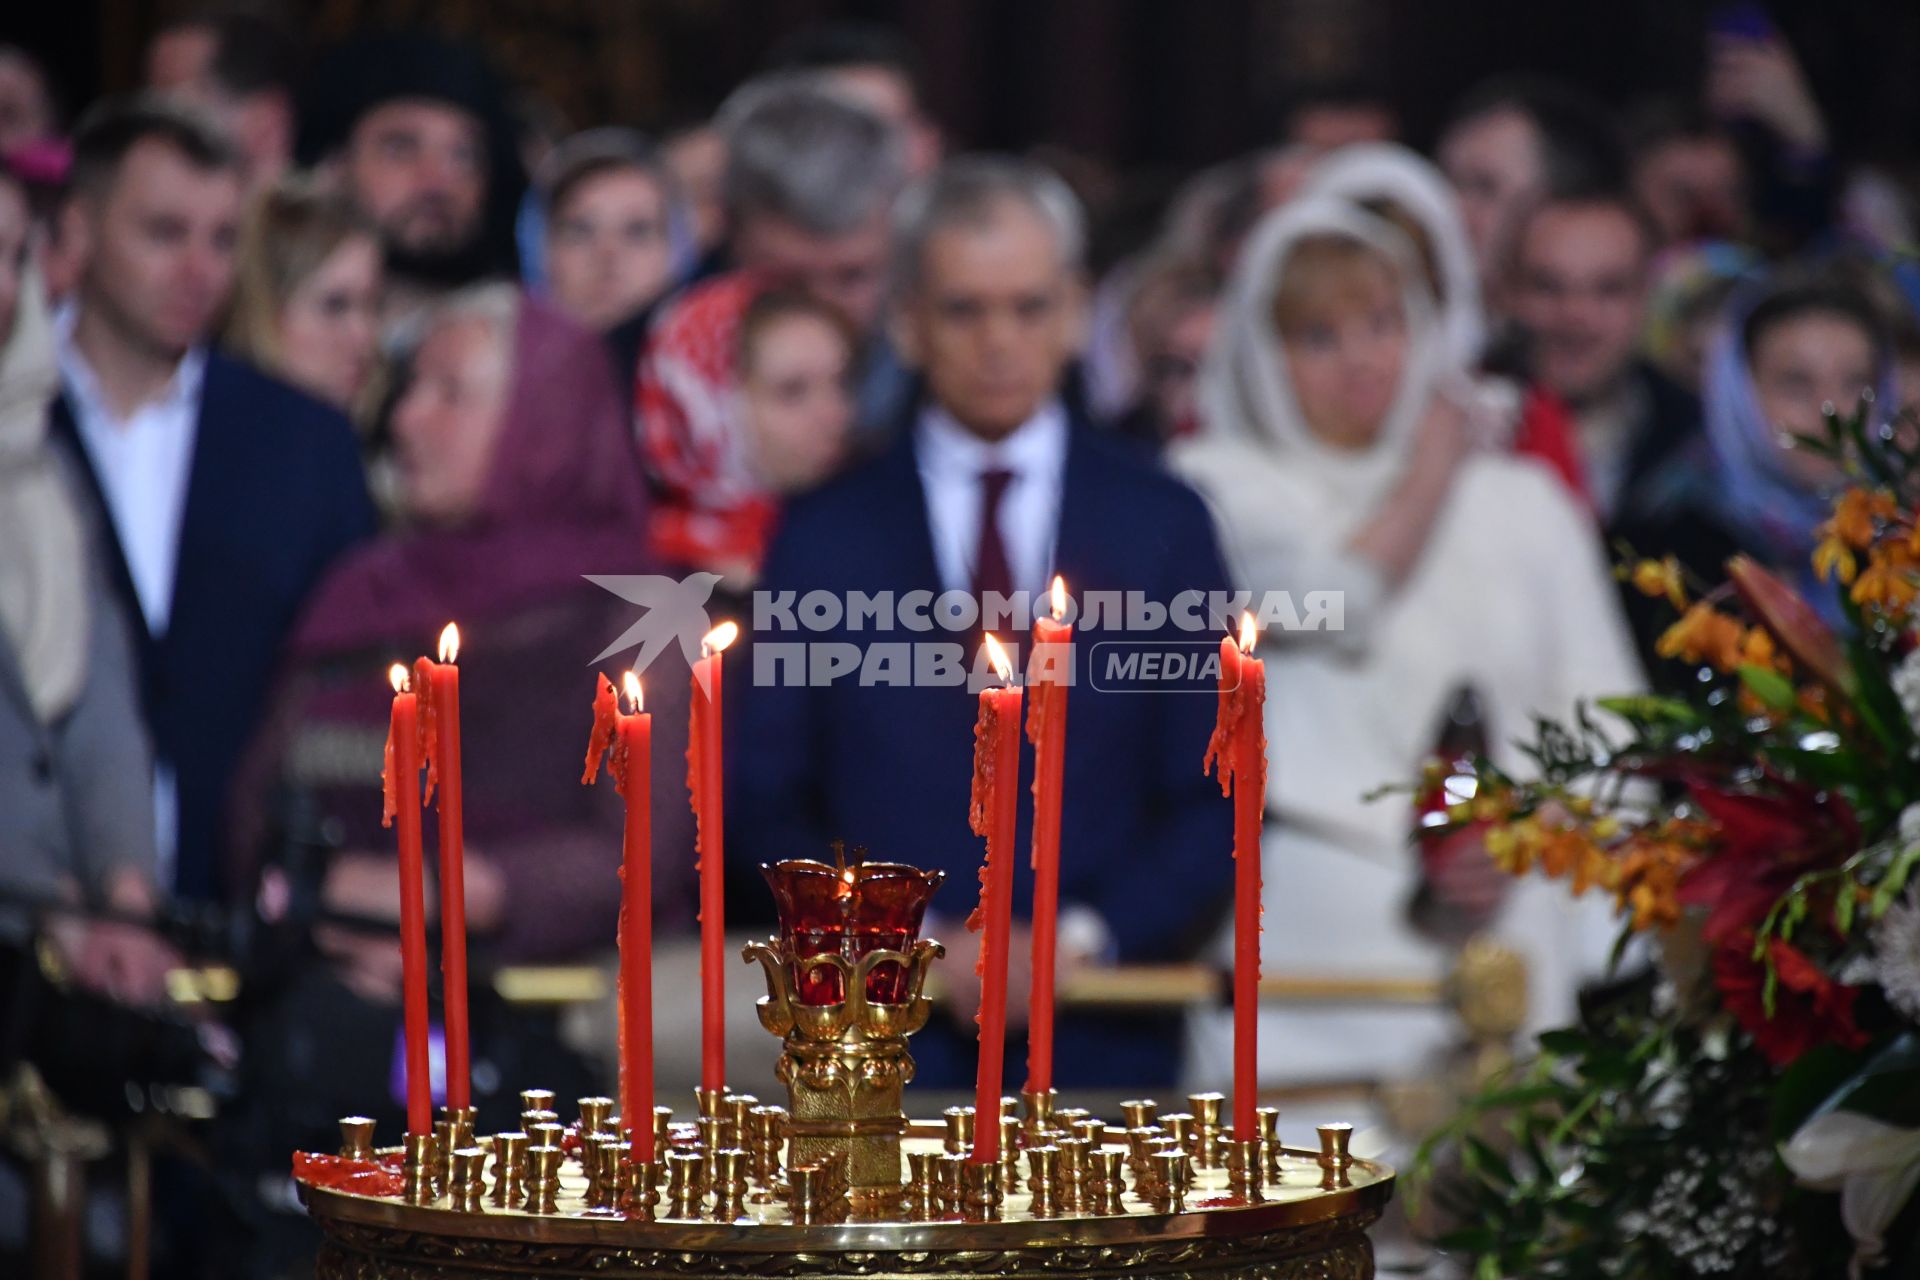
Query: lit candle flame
x=449, y=643
x=719, y=638
x=1059, y=598
x=631, y=683
x=998, y=657
x=397, y=677
x=1249, y=632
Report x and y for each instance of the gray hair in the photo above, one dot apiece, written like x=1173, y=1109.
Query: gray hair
x=969, y=192
x=804, y=153
x=493, y=304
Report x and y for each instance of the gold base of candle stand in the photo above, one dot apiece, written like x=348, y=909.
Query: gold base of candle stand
x=846, y=1065
x=1298, y=1230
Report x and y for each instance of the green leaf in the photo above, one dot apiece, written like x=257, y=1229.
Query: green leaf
x=1773, y=689
x=1482, y=1159
x=1885, y=1085
x=1898, y=873
x=1815, y=1081
x=1567, y=1042
x=1648, y=708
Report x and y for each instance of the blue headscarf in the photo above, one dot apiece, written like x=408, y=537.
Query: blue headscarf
x=1768, y=509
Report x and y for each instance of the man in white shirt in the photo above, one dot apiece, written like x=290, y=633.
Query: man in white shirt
x=227, y=493
x=994, y=489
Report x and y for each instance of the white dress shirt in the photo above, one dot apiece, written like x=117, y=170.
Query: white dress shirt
x=143, y=462
x=952, y=461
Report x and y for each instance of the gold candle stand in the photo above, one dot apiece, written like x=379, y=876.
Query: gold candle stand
x=846, y=1065
x=1152, y=1193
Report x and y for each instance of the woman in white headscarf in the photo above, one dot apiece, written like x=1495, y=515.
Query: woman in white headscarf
x=1470, y=578
x=76, y=805
x=1405, y=189
x=1378, y=174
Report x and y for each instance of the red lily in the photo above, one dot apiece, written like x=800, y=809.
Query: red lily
x=1766, y=840
x=1809, y=1008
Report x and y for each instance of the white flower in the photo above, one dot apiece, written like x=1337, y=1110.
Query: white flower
x=1896, y=952
x=1910, y=821
x=1873, y=1166
x=1906, y=683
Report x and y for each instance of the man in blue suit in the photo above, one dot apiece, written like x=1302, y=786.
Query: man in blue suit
x=994, y=487
x=228, y=493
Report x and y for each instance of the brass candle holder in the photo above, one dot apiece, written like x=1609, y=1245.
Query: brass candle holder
x=840, y=1183
x=846, y=983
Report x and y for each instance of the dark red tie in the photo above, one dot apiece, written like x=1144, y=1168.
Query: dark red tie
x=991, y=571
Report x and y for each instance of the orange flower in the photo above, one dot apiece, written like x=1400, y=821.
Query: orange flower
x=1888, y=582
x=1703, y=635
x=1660, y=578
x=1648, y=884
x=1757, y=650
x=1855, y=513
x=1832, y=560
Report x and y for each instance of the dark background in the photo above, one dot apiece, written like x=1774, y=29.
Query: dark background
x=1151, y=86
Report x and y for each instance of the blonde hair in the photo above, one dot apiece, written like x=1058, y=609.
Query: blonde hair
x=291, y=228
x=1327, y=273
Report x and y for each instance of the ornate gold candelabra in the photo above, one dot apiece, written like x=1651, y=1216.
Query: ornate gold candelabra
x=820, y=1187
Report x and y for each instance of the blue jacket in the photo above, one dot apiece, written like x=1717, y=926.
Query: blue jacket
x=1146, y=837
x=275, y=493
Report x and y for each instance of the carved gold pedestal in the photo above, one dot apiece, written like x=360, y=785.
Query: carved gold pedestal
x=845, y=1064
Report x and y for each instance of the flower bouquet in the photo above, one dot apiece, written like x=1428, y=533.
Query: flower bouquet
x=1747, y=1101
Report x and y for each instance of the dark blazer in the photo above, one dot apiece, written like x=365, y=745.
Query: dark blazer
x=1670, y=426
x=1146, y=837
x=1660, y=511
x=275, y=492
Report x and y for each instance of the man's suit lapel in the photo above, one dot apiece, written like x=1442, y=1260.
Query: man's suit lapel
x=1085, y=526
x=66, y=430
x=216, y=463
x=900, y=504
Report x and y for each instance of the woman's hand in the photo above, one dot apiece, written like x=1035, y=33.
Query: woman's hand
x=1443, y=437
x=366, y=885
x=962, y=984
x=123, y=961
x=1761, y=80
x=1398, y=532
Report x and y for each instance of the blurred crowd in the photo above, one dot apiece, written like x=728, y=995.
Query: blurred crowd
x=304, y=354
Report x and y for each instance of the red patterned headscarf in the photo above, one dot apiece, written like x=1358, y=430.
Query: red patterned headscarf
x=712, y=509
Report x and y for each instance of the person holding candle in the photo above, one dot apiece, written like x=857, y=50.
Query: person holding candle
x=994, y=486
x=1336, y=463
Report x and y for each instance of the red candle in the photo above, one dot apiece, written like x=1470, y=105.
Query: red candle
x=996, y=781
x=439, y=686
x=1049, y=670
x=629, y=737
x=1239, y=749
x=704, y=786
x=400, y=783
